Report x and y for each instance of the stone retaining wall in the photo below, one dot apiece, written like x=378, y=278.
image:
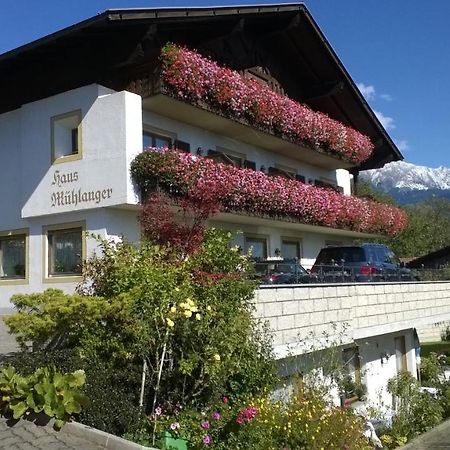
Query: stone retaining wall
x=296, y=313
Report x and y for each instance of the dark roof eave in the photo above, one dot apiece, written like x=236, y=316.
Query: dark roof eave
x=149, y=13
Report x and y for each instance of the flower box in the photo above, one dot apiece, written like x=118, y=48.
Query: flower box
x=220, y=187
x=190, y=77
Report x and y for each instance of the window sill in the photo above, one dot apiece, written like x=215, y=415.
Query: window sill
x=12, y=281
x=63, y=279
x=67, y=158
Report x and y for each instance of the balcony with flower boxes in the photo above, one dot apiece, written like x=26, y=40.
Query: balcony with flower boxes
x=228, y=190
x=297, y=314
x=197, y=91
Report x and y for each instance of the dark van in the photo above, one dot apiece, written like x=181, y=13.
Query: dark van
x=365, y=262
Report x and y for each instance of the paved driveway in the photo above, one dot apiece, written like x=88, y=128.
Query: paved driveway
x=436, y=439
x=25, y=435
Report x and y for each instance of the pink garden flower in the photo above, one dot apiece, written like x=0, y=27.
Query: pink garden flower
x=246, y=415
x=220, y=187
x=192, y=77
x=207, y=439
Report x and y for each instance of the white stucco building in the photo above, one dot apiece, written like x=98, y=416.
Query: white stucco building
x=79, y=105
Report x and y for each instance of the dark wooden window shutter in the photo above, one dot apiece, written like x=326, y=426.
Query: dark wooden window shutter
x=249, y=164
x=183, y=146
x=212, y=153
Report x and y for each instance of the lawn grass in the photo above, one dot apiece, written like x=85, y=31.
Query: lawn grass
x=437, y=347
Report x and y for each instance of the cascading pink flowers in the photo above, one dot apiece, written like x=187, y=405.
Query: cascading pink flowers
x=192, y=77
x=227, y=188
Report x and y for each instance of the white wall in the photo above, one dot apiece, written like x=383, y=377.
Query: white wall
x=111, y=131
x=377, y=370
x=105, y=222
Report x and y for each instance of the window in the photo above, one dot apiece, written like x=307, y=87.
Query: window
x=227, y=157
x=290, y=248
x=257, y=246
x=65, y=251
x=13, y=257
x=155, y=140
x=66, y=136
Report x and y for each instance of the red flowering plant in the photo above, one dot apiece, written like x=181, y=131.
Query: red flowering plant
x=229, y=189
x=194, y=78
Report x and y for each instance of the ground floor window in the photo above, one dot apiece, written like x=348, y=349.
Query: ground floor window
x=13, y=257
x=291, y=248
x=257, y=246
x=65, y=251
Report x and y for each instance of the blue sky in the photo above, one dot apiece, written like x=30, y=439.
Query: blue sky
x=397, y=50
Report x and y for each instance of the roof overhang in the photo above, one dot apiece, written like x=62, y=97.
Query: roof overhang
x=118, y=44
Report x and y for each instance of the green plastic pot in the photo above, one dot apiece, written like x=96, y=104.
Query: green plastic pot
x=173, y=443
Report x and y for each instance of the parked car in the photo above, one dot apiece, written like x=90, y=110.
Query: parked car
x=282, y=271
x=365, y=262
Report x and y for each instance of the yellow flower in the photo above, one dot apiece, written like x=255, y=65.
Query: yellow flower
x=216, y=357
x=188, y=313
x=208, y=308
x=173, y=309
x=198, y=316
x=170, y=322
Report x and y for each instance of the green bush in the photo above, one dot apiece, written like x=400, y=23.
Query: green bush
x=45, y=390
x=143, y=303
x=415, y=412
x=108, y=384
x=304, y=421
x=431, y=371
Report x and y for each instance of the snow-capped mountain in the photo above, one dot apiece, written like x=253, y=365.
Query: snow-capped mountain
x=409, y=183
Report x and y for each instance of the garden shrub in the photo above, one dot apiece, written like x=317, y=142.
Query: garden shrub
x=304, y=422
x=136, y=304
x=46, y=390
x=431, y=371
x=108, y=384
x=415, y=412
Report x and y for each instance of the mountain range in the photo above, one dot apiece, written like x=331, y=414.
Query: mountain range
x=408, y=183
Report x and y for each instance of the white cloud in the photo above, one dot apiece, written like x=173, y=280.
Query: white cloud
x=387, y=122
x=386, y=97
x=368, y=91
x=402, y=145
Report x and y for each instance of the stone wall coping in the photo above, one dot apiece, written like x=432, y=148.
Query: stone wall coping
x=106, y=440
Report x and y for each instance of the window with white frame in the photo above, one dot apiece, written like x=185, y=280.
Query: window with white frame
x=291, y=248
x=257, y=246
x=66, y=136
x=13, y=257
x=152, y=139
x=65, y=251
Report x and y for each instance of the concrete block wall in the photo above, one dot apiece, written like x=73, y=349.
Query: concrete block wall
x=299, y=315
